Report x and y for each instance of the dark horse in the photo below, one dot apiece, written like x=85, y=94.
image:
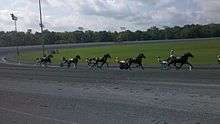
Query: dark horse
x=73, y=61
x=44, y=60
x=102, y=60
x=182, y=61
x=136, y=60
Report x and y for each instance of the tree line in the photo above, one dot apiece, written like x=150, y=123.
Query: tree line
x=154, y=33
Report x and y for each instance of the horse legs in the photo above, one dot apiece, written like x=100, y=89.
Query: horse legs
x=163, y=66
x=68, y=64
x=142, y=67
x=107, y=64
x=166, y=67
x=42, y=64
x=191, y=66
x=180, y=66
x=95, y=64
x=89, y=64
x=170, y=63
x=102, y=65
x=45, y=64
x=75, y=65
x=174, y=63
x=129, y=67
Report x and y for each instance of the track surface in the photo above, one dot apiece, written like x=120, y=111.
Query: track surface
x=33, y=95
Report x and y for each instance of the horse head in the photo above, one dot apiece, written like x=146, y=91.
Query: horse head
x=107, y=55
x=141, y=55
x=50, y=56
x=64, y=59
x=78, y=57
x=189, y=55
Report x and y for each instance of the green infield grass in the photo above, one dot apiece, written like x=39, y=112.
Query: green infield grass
x=205, y=52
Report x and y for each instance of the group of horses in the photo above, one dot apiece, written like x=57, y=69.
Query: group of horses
x=126, y=64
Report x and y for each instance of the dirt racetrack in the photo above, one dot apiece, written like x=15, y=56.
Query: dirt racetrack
x=33, y=95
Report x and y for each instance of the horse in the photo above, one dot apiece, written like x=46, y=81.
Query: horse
x=136, y=60
x=70, y=61
x=123, y=64
x=102, y=60
x=163, y=63
x=181, y=60
x=44, y=60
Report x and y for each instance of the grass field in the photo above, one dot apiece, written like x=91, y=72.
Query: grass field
x=205, y=52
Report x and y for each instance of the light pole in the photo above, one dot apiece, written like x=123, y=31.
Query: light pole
x=14, y=18
x=41, y=27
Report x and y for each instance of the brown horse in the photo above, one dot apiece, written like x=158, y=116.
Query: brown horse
x=136, y=60
x=103, y=60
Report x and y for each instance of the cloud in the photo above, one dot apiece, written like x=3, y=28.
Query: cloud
x=209, y=9
x=67, y=15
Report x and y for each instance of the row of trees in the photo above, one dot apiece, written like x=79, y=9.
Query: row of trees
x=153, y=33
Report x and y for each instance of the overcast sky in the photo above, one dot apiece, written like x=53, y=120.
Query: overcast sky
x=67, y=15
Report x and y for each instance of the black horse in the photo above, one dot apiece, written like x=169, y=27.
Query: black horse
x=181, y=60
x=102, y=60
x=73, y=61
x=136, y=60
x=44, y=60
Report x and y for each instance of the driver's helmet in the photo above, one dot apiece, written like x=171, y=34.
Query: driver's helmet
x=218, y=57
x=172, y=53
